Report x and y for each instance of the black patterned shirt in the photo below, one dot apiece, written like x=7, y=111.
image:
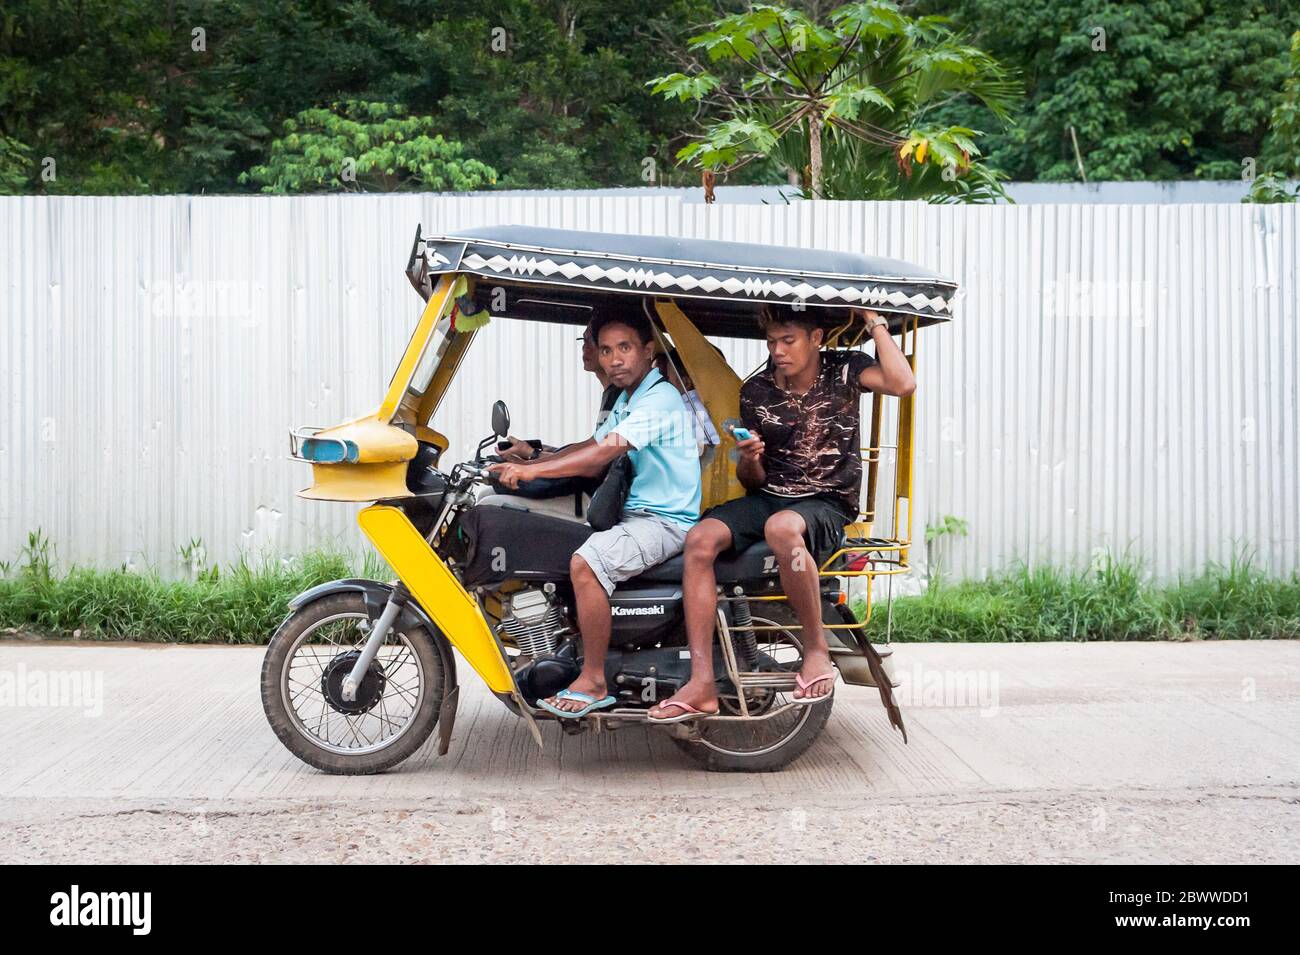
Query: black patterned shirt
x=812, y=443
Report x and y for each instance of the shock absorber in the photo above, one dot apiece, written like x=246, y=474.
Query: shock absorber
x=745, y=640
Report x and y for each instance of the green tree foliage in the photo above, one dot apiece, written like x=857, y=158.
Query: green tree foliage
x=366, y=147
x=15, y=165
x=552, y=94
x=846, y=99
x=1162, y=89
x=126, y=97
x=1282, y=147
x=1281, y=152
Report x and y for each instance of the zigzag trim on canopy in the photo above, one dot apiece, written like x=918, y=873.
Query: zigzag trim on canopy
x=752, y=287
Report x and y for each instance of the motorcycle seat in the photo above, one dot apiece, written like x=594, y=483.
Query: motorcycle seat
x=753, y=563
x=511, y=541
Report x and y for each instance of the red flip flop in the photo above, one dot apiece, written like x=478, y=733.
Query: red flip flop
x=810, y=700
x=690, y=713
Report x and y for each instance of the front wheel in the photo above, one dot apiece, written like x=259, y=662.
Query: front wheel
x=396, y=704
x=770, y=744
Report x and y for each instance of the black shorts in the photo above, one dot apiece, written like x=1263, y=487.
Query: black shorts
x=746, y=516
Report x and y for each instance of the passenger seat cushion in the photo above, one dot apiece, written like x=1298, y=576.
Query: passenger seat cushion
x=753, y=563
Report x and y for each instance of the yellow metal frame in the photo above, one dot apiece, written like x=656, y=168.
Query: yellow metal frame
x=719, y=388
x=438, y=305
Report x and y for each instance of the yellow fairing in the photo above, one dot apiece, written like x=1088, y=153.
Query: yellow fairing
x=439, y=593
x=436, y=438
x=379, y=471
x=357, y=483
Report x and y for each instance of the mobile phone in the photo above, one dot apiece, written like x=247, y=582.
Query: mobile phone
x=741, y=434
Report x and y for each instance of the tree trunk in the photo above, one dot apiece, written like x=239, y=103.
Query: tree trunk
x=815, y=152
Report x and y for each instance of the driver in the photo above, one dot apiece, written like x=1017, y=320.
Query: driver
x=650, y=423
x=518, y=451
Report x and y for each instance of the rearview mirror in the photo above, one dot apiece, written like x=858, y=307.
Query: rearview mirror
x=500, y=419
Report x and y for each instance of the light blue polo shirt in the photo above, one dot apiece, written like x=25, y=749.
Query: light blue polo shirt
x=657, y=425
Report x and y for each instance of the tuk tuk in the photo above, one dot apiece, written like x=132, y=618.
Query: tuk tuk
x=361, y=672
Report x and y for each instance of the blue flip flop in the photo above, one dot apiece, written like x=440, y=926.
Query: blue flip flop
x=591, y=701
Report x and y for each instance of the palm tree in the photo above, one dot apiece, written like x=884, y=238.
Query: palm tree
x=847, y=104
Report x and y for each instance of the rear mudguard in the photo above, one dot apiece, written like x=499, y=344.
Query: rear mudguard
x=376, y=594
x=877, y=667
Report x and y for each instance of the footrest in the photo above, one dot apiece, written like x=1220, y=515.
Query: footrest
x=766, y=680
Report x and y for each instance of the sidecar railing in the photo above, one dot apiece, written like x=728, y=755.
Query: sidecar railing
x=867, y=558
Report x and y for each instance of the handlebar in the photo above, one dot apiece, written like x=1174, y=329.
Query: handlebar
x=467, y=472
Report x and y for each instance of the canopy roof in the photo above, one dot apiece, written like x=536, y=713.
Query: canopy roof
x=561, y=275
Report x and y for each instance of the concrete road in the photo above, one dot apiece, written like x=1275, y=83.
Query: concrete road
x=1155, y=752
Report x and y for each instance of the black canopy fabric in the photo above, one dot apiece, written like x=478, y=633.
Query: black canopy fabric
x=559, y=274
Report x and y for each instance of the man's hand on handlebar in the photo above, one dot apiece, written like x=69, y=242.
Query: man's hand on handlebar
x=515, y=450
x=509, y=475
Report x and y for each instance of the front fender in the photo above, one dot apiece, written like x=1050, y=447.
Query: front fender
x=375, y=594
x=432, y=583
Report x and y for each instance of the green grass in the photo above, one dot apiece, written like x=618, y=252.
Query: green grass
x=1114, y=601
x=244, y=603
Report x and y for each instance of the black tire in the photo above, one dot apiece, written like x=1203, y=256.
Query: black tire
x=292, y=732
x=716, y=759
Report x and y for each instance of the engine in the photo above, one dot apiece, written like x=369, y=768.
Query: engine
x=533, y=619
x=646, y=661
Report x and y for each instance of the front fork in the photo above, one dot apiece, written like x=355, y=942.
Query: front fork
x=397, y=601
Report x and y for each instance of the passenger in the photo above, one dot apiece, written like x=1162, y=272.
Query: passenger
x=670, y=366
x=648, y=423
x=802, y=466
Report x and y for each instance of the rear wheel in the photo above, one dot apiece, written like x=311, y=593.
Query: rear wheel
x=767, y=744
x=395, y=707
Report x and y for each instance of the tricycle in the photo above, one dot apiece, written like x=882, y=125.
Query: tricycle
x=362, y=672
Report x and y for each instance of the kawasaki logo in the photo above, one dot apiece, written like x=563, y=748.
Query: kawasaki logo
x=657, y=610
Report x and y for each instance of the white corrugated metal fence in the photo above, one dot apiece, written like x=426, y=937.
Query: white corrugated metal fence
x=1117, y=377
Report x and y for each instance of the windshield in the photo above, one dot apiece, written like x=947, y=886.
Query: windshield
x=434, y=348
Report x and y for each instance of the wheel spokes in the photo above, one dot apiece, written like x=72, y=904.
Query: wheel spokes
x=396, y=667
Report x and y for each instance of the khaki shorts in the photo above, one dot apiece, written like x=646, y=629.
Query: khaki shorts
x=636, y=543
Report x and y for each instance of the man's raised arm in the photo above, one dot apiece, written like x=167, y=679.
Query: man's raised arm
x=891, y=375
